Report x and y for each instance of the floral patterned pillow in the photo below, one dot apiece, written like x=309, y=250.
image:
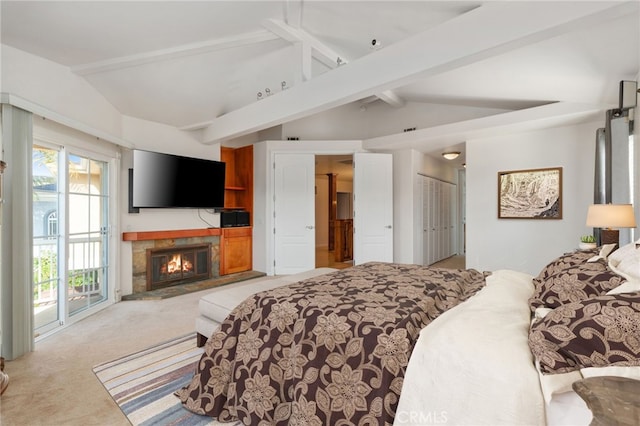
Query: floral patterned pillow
x=566, y=260
x=573, y=284
x=596, y=332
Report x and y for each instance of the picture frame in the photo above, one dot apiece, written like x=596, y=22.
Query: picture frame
x=530, y=194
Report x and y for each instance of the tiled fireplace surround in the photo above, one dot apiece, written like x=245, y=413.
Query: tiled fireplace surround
x=140, y=246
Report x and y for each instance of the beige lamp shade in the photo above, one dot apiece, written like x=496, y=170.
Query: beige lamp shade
x=611, y=216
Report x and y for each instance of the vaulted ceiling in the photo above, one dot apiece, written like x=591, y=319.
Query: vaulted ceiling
x=229, y=68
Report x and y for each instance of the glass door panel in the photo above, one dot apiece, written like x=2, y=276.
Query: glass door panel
x=87, y=236
x=46, y=239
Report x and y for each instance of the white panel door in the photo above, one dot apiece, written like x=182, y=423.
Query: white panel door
x=373, y=208
x=294, y=209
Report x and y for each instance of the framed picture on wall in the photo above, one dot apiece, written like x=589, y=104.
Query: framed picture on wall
x=530, y=194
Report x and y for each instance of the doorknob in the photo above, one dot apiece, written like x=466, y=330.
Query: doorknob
x=309, y=227
x=388, y=226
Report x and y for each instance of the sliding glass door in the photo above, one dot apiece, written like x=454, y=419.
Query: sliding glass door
x=70, y=243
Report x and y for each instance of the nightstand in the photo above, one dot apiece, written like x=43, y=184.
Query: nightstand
x=613, y=401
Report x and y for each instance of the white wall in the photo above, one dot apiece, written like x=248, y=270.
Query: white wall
x=406, y=209
x=56, y=88
x=438, y=169
x=522, y=244
x=261, y=236
x=162, y=138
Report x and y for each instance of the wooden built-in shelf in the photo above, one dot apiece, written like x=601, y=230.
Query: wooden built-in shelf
x=161, y=235
x=238, y=178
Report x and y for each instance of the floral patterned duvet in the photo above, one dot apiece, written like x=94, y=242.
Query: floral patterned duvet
x=328, y=350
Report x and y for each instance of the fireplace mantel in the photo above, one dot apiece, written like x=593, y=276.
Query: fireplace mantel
x=177, y=233
x=231, y=249
x=143, y=242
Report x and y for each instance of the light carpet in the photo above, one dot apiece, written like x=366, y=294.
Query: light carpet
x=143, y=383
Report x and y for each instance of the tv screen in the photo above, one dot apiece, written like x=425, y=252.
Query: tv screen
x=165, y=181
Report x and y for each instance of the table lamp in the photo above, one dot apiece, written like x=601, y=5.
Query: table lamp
x=609, y=216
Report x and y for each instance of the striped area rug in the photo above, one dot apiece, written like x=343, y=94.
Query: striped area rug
x=142, y=384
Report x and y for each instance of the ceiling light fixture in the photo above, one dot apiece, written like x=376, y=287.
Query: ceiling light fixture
x=451, y=155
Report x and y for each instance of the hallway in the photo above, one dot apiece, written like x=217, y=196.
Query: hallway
x=326, y=258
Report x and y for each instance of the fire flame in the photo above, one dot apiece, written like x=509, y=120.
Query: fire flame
x=177, y=264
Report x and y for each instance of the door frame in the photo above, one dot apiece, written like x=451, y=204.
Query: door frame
x=263, y=233
x=54, y=139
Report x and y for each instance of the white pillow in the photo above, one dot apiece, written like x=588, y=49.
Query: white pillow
x=627, y=250
x=626, y=265
x=629, y=267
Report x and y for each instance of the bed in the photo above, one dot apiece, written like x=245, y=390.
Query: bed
x=398, y=344
x=326, y=350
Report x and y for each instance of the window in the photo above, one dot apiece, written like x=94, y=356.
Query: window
x=51, y=223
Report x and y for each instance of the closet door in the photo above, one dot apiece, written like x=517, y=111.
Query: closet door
x=426, y=220
x=445, y=244
x=453, y=217
x=439, y=215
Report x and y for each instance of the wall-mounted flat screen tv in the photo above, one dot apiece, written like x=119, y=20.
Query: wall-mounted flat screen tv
x=172, y=181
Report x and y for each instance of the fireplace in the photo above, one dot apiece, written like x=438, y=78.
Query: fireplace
x=178, y=265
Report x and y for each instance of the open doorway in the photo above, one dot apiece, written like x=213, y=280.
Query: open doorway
x=334, y=211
